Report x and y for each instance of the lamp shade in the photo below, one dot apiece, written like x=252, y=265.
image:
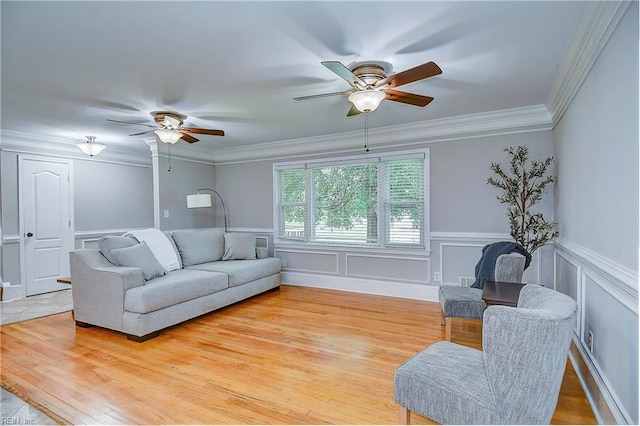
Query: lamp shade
x=168, y=136
x=91, y=147
x=367, y=100
x=196, y=201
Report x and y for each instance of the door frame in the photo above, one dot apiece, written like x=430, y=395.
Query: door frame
x=21, y=214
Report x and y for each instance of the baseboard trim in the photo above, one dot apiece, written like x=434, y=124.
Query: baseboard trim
x=427, y=293
x=602, y=402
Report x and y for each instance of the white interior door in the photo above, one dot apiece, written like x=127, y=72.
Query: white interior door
x=46, y=230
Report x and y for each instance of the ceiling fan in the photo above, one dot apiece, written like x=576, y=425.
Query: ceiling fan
x=169, y=128
x=371, y=85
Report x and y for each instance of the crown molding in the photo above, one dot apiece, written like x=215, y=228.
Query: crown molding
x=28, y=143
x=516, y=120
x=599, y=21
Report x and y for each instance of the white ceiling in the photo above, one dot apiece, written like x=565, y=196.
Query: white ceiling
x=235, y=66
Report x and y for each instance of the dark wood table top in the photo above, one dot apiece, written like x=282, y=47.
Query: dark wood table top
x=501, y=293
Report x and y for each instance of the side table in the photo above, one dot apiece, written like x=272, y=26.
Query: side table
x=501, y=293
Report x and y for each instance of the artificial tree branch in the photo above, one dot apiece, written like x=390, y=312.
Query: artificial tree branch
x=522, y=190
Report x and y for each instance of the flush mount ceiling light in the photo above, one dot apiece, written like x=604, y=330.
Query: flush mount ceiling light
x=367, y=100
x=91, y=147
x=168, y=136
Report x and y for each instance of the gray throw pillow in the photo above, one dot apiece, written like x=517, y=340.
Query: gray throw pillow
x=239, y=246
x=111, y=242
x=141, y=257
x=199, y=246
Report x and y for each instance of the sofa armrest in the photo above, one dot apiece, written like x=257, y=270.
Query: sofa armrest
x=99, y=288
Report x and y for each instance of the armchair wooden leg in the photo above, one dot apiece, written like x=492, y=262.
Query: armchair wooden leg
x=442, y=318
x=405, y=416
x=447, y=329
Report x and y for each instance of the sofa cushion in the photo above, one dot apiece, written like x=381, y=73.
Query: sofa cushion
x=243, y=271
x=173, y=288
x=111, y=242
x=199, y=246
x=141, y=257
x=239, y=246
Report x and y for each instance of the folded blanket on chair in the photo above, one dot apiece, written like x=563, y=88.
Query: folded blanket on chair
x=485, y=269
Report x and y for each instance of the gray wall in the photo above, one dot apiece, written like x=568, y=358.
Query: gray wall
x=184, y=179
x=465, y=216
x=10, y=267
x=596, y=144
x=247, y=189
x=461, y=199
x=111, y=196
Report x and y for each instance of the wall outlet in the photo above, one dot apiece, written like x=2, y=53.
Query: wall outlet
x=166, y=214
x=590, y=340
x=284, y=262
x=436, y=276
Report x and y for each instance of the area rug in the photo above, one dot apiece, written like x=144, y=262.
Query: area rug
x=38, y=306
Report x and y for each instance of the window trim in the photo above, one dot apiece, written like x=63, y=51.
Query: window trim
x=381, y=246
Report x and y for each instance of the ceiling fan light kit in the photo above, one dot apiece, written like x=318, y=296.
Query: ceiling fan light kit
x=91, y=147
x=168, y=136
x=370, y=84
x=169, y=128
x=367, y=100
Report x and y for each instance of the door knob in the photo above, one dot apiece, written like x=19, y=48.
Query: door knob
x=29, y=234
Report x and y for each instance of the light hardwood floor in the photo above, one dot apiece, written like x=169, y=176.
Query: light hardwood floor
x=294, y=356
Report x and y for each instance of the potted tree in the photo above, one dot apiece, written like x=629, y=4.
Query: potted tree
x=523, y=185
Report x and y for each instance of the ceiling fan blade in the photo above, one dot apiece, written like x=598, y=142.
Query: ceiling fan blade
x=353, y=111
x=141, y=133
x=409, y=76
x=345, y=73
x=189, y=138
x=408, y=98
x=323, y=95
x=199, y=131
x=131, y=122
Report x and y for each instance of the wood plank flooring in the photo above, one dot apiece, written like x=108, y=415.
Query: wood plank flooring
x=295, y=356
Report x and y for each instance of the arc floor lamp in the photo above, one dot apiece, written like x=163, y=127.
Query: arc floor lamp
x=199, y=200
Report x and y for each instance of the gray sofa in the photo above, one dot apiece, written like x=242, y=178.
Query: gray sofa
x=123, y=286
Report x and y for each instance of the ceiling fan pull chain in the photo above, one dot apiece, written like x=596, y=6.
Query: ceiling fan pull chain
x=169, y=170
x=366, y=132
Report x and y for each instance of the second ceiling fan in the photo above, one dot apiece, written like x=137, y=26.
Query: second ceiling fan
x=371, y=85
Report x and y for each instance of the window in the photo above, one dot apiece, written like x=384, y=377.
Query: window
x=367, y=201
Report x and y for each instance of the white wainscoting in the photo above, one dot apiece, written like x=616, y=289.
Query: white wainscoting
x=11, y=239
x=11, y=254
x=381, y=267
x=459, y=252
x=607, y=297
x=308, y=261
x=360, y=285
x=89, y=239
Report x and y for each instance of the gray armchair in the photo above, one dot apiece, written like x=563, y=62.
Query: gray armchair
x=466, y=302
x=515, y=379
